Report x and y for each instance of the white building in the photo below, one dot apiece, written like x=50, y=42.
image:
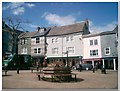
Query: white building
x=100, y=48
x=65, y=43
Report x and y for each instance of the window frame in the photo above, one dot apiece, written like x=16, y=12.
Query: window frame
x=91, y=42
x=95, y=42
x=37, y=40
x=38, y=50
x=54, y=50
x=107, y=50
x=94, y=52
x=70, y=50
x=35, y=50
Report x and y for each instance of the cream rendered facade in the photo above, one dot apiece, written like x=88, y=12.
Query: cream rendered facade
x=63, y=43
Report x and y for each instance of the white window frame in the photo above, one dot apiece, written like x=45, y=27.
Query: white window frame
x=69, y=38
x=106, y=51
x=94, y=52
x=96, y=41
x=71, y=50
x=35, y=50
x=24, y=50
x=54, y=40
x=91, y=43
x=54, y=50
x=37, y=41
x=38, y=50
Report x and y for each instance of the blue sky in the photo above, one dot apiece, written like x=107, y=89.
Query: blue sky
x=102, y=16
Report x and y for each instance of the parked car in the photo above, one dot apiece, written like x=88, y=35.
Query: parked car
x=85, y=66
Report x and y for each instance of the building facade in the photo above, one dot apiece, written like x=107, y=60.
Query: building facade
x=70, y=44
x=100, y=49
x=65, y=43
x=38, y=45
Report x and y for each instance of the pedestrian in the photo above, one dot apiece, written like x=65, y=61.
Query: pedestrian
x=80, y=67
x=96, y=66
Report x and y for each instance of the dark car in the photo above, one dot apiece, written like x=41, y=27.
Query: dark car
x=85, y=66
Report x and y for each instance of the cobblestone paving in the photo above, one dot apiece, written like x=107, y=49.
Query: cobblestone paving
x=86, y=79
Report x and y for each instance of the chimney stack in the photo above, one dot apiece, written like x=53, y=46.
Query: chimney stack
x=38, y=28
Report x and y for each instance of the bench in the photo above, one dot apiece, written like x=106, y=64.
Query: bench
x=5, y=71
x=57, y=75
x=35, y=68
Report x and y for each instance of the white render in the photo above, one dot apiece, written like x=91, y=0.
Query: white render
x=104, y=41
x=62, y=44
x=87, y=47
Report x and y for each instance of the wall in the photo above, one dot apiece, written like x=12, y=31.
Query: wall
x=109, y=41
x=87, y=47
x=37, y=45
x=28, y=46
x=62, y=44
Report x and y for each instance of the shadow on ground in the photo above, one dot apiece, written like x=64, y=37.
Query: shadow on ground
x=61, y=81
x=6, y=75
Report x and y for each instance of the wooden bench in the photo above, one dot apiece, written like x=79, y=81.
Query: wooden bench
x=58, y=75
x=64, y=75
x=35, y=68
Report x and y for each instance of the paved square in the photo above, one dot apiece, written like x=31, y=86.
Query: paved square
x=86, y=79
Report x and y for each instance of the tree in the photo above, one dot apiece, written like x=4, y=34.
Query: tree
x=15, y=24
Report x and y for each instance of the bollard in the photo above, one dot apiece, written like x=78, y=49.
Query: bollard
x=93, y=70
x=39, y=77
x=17, y=70
x=103, y=71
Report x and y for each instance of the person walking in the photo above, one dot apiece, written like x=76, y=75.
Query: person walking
x=80, y=67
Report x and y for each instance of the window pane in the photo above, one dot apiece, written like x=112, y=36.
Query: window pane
x=37, y=40
x=54, y=50
x=35, y=50
x=70, y=49
x=93, y=52
x=96, y=42
x=67, y=38
x=39, y=50
x=71, y=38
x=107, y=51
x=91, y=42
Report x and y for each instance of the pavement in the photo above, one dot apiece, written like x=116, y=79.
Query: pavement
x=85, y=79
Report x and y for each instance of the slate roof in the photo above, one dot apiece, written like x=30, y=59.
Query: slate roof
x=68, y=29
x=98, y=34
x=27, y=34
x=58, y=30
x=38, y=34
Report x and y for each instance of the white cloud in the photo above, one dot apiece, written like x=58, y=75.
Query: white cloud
x=107, y=27
x=55, y=19
x=18, y=11
x=13, y=5
x=30, y=5
x=17, y=7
